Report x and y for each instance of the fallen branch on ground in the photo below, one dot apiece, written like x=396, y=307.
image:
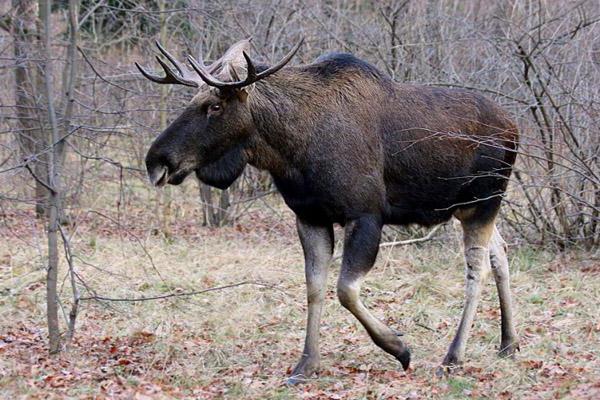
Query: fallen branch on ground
x=183, y=294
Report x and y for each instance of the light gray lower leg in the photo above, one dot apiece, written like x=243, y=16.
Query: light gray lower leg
x=499, y=262
x=381, y=334
x=360, y=250
x=317, y=243
x=476, y=240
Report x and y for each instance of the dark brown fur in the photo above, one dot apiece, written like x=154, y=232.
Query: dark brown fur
x=341, y=139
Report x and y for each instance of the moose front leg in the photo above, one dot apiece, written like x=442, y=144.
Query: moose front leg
x=476, y=240
x=361, y=245
x=317, y=243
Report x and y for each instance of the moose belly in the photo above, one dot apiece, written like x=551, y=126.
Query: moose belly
x=399, y=214
x=318, y=207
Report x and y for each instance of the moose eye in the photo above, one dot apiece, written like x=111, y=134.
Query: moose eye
x=215, y=108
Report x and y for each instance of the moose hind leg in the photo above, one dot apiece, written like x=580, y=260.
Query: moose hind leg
x=317, y=243
x=476, y=241
x=509, y=342
x=361, y=245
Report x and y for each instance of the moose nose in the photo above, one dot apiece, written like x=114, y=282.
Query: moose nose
x=158, y=176
x=159, y=167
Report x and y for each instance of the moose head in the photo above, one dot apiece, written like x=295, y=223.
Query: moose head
x=212, y=134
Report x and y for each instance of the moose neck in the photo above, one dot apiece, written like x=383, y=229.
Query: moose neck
x=283, y=108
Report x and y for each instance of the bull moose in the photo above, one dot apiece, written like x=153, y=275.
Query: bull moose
x=346, y=144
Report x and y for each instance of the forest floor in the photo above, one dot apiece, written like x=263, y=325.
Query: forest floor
x=240, y=342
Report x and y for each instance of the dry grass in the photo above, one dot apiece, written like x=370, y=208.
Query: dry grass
x=241, y=342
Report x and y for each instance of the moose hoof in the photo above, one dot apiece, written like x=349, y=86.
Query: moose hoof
x=452, y=361
x=404, y=358
x=509, y=350
x=444, y=370
x=450, y=364
x=305, y=369
x=440, y=371
x=296, y=380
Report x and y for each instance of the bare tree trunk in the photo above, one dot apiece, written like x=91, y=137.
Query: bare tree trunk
x=206, y=202
x=223, y=210
x=54, y=186
x=56, y=159
x=166, y=194
x=52, y=276
x=31, y=136
x=433, y=35
x=68, y=84
x=215, y=211
x=204, y=192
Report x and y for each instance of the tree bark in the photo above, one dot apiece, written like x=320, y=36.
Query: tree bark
x=166, y=194
x=30, y=135
x=215, y=211
x=54, y=202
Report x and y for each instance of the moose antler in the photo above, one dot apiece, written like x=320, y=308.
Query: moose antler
x=185, y=77
x=251, y=77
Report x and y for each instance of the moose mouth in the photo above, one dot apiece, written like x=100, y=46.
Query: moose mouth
x=161, y=176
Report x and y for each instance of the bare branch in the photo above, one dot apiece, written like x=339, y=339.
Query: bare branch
x=183, y=294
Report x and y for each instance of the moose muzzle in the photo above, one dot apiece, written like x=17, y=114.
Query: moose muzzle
x=162, y=169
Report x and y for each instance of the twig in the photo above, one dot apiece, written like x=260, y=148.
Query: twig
x=87, y=60
x=38, y=179
x=425, y=326
x=400, y=242
x=76, y=296
x=184, y=294
x=411, y=241
x=137, y=239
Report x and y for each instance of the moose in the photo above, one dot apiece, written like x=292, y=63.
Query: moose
x=347, y=145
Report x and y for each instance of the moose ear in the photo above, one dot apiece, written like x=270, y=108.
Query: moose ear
x=242, y=94
x=225, y=170
x=234, y=56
